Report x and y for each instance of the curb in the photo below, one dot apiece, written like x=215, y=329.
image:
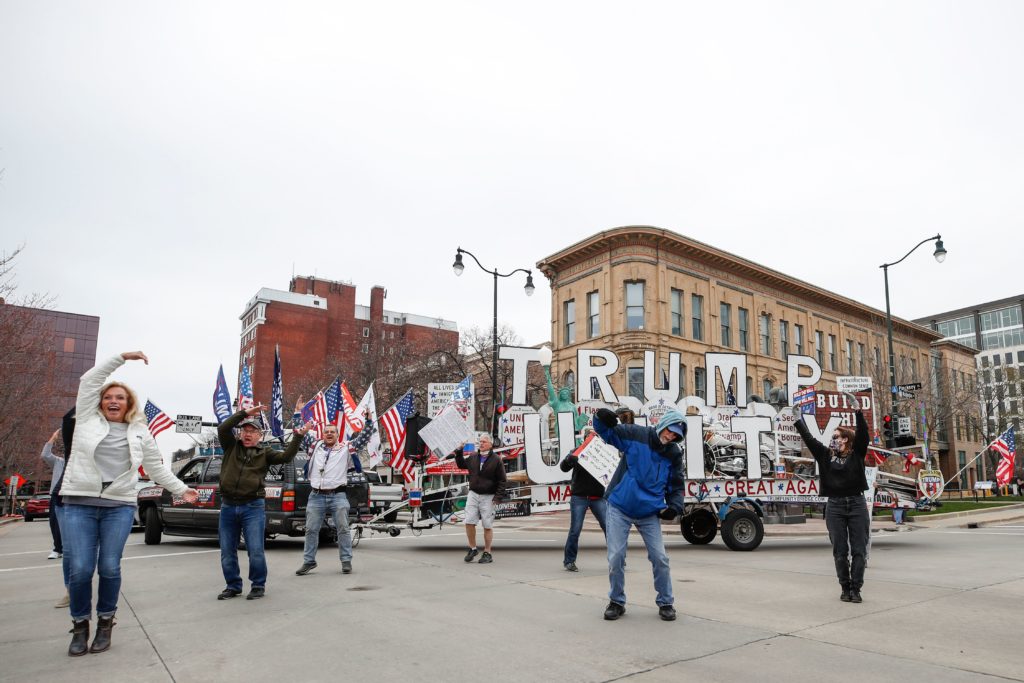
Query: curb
x=1016, y=508
x=9, y=520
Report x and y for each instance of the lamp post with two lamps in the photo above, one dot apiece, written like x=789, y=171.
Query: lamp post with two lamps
x=458, y=267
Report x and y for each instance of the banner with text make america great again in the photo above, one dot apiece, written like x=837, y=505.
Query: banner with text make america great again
x=594, y=367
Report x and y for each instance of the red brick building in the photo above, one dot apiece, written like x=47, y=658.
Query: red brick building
x=321, y=330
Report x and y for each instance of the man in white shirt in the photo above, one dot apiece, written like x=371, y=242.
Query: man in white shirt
x=328, y=476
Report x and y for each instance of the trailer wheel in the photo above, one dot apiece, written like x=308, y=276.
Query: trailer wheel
x=699, y=527
x=742, y=529
x=394, y=531
x=154, y=530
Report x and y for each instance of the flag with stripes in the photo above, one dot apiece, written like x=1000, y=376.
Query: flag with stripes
x=245, y=389
x=322, y=409
x=1006, y=447
x=157, y=419
x=393, y=423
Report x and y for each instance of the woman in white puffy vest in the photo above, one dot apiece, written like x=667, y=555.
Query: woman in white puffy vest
x=111, y=441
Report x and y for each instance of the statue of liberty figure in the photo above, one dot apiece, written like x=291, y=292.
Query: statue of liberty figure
x=561, y=402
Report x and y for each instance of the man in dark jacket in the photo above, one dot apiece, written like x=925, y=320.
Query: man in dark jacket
x=646, y=488
x=587, y=494
x=242, y=497
x=486, y=487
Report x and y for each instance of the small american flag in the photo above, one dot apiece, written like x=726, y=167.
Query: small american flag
x=460, y=398
x=322, y=409
x=1006, y=447
x=245, y=389
x=157, y=419
x=393, y=423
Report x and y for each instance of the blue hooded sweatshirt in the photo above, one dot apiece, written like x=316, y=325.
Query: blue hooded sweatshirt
x=650, y=475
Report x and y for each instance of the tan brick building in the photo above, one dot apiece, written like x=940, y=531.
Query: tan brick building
x=639, y=288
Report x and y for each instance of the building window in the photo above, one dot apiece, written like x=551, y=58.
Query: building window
x=366, y=331
x=366, y=348
x=750, y=385
x=784, y=338
x=697, y=315
x=860, y=358
x=682, y=379
x=766, y=386
x=849, y=356
x=677, y=311
x=744, y=326
x=636, y=382
x=832, y=353
x=798, y=334
x=593, y=315
x=569, y=320
x=764, y=324
x=725, y=318
x=700, y=382
x=913, y=368
x=634, y=305
x=819, y=347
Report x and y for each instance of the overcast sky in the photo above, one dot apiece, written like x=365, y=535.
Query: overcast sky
x=163, y=161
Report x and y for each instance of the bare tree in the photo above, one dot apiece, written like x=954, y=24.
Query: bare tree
x=28, y=372
x=477, y=359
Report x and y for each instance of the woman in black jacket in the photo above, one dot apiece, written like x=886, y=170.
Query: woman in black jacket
x=841, y=472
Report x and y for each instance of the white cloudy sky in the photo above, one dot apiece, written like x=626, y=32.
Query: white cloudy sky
x=162, y=161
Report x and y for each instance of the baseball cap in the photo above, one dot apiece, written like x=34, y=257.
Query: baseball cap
x=677, y=427
x=251, y=421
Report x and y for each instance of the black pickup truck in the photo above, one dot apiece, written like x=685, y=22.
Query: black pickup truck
x=287, y=491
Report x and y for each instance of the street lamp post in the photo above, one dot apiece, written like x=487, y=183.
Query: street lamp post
x=458, y=267
x=940, y=256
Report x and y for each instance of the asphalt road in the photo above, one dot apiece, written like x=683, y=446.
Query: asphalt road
x=940, y=605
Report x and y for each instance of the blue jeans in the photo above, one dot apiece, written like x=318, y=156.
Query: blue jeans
x=235, y=520
x=57, y=512
x=617, y=533
x=319, y=505
x=94, y=538
x=848, y=527
x=578, y=506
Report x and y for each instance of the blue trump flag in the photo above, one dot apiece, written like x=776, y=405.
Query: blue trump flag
x=221, y=398
x=277, y=398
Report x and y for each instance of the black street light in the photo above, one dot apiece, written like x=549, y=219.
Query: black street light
x=940, y=256
x=458, y=267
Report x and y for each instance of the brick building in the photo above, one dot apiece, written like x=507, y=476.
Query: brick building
x=322, y=331
x=639, y=288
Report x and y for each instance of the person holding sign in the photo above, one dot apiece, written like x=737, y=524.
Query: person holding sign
x=647, y=487
x=843, y=482
x=98, y=492
x=587, y=493
x=486, y=486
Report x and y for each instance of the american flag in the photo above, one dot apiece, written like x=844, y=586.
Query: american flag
x=911, y=459
x=460, y=398
x=245, y=389
x=322, y=409
x=348, y=407
x=875, y=457
x=157, y=419
x=1006, y=447
x=393, y=423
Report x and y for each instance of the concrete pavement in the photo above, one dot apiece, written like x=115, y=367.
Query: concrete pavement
x=941, y=603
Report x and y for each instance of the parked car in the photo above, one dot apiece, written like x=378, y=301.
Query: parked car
x=37, y=506
x=287, y=492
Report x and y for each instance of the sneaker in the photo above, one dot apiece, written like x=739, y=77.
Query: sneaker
x=486, y=558
x=613, y=611
x=256, y=593
x=306, y=568
x=667, y=613
x=63, y=602
x=346, y=567
x=845, y=597
x=571, y=567
x=855, y=596
x=473, y=552
x=54, y=555
x=228, y=593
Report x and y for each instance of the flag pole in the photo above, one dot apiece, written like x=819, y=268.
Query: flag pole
x=980, y=453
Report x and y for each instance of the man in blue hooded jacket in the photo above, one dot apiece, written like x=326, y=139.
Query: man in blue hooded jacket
x=647, y=487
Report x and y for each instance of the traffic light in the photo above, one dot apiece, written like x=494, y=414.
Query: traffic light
x=889, y=431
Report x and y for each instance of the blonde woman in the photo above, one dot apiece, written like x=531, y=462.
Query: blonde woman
x=111, y=441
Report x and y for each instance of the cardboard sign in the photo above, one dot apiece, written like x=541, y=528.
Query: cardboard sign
x=598, y=458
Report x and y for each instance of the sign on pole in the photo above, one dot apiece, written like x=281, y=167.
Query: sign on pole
x=188, y=424
x=902, y=425
x=852, y=383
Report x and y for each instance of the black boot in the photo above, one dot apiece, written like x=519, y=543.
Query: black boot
x=79, y=639
x=101, y=643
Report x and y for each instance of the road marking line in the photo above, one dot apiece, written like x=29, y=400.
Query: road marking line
x=137, y=557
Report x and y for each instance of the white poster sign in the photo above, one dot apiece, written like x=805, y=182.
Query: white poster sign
x=438, y=394
x=512, y=426
x=852, y=383
x=598, y=458
x=447, y=432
